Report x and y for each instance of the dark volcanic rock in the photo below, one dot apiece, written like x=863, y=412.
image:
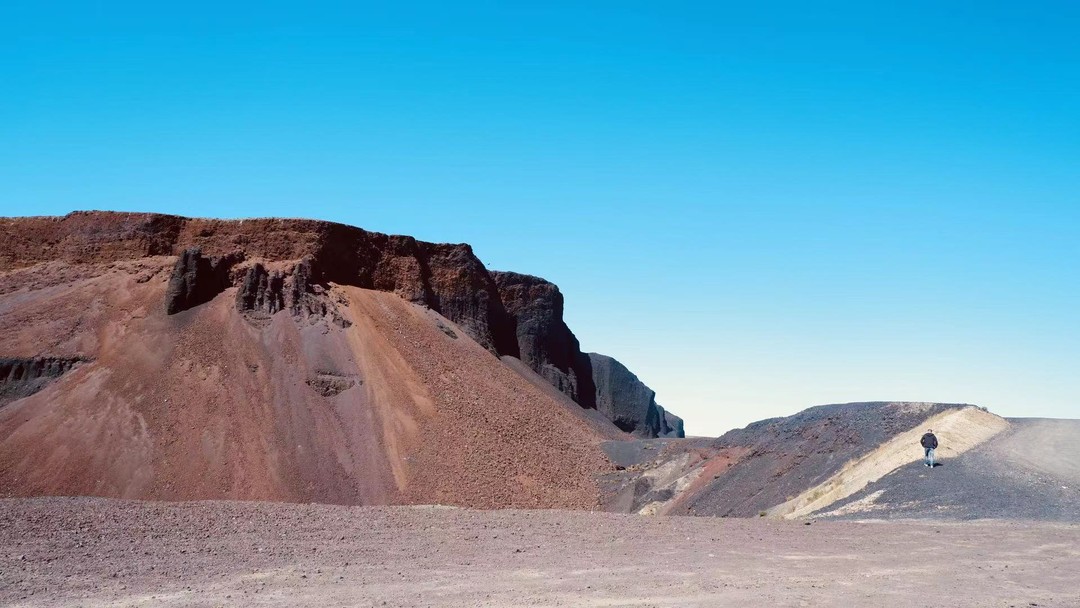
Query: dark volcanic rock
x=261, y=291
x=670, y=424
x=544, y=342
x=196, y=280
x=22, y=377
x=627, y=402
x=623, y=398
x=465, y=292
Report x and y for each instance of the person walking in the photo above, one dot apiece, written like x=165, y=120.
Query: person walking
x=929, y=444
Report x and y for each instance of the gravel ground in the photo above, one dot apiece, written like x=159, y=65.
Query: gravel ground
x=101, y=552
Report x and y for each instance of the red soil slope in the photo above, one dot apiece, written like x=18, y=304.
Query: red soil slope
x=357, y=396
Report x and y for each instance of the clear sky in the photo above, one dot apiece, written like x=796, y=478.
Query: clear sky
x=757, y=206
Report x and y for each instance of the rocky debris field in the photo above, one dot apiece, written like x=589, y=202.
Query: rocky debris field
x=102, y=552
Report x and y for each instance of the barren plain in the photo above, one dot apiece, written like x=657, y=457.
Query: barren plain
x=105, y=552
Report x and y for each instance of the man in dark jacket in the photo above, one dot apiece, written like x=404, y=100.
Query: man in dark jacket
x=929, y=444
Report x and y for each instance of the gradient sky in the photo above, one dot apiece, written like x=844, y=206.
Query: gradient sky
x=757, y=207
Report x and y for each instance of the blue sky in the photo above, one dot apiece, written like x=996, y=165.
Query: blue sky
x=756, y=206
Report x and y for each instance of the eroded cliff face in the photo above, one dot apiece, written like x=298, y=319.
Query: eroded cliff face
x=544, y=342
x=197, y=279
x=673, y=425
x=280, y=265
x=629, y=403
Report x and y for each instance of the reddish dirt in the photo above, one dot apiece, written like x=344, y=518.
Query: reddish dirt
x=94, y=552
x=716, y=462
x=498, y=440
x=204, y=404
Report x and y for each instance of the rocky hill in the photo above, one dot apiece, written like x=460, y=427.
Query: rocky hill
x=858, y=460
x=1031, y=471
x=157, y=356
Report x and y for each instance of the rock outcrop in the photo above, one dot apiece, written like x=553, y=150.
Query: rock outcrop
x=22, y=377
x=261, y=291
x=289, y=265
x=671, y=425
x=543, y=341
x=197, y=280
x=628, y=402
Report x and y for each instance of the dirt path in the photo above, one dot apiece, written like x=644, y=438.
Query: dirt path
x=96, y=552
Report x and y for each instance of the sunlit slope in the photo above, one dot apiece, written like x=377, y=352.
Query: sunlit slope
x=368, y=400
